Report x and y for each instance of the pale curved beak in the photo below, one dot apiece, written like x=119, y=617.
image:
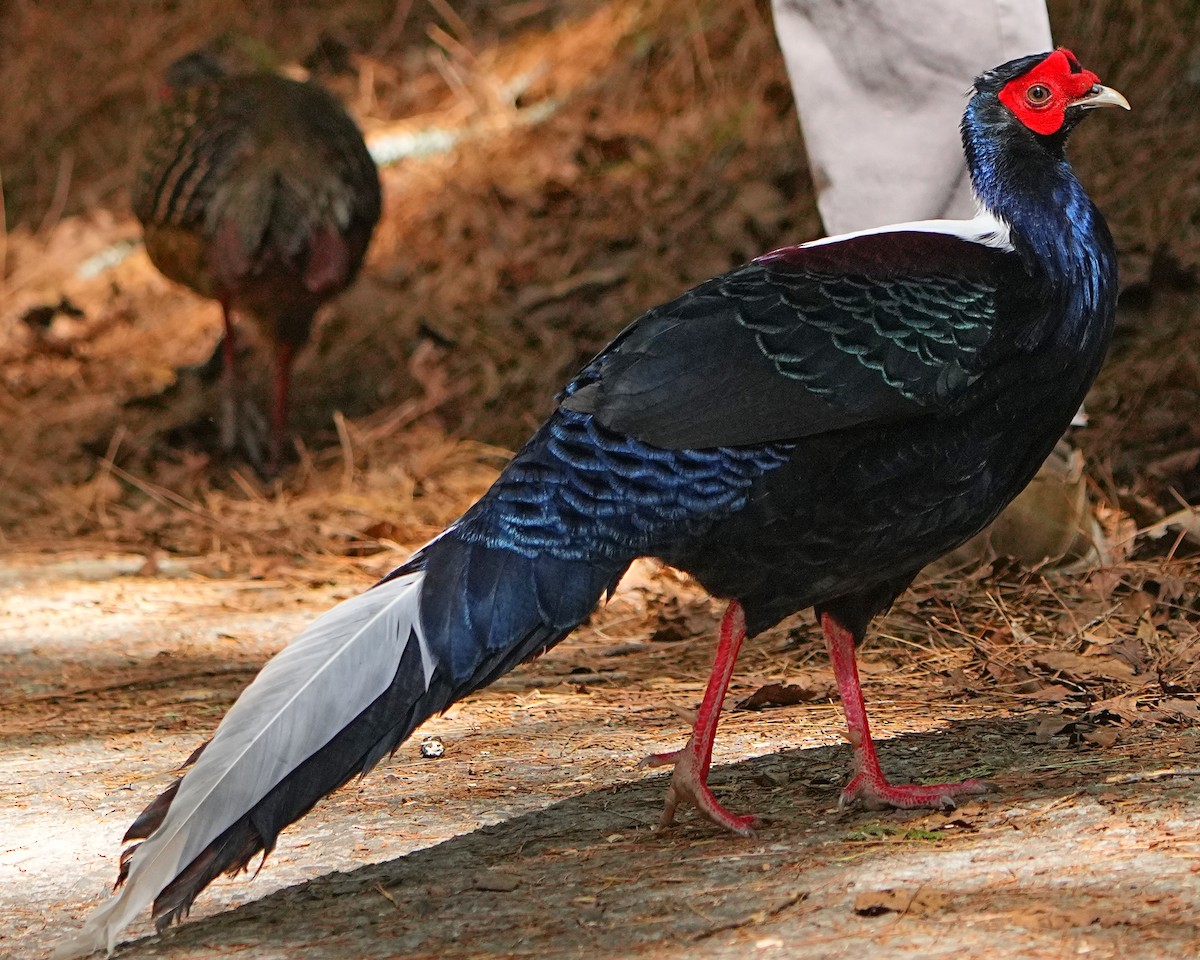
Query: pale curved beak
x=1100, y=96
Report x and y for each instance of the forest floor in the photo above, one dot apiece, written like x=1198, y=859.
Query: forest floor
x=596, y=158
x=533, y=835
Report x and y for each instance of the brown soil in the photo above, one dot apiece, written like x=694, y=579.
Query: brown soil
x=534, y=834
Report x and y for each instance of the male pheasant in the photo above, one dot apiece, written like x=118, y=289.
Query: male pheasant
x=805, y=431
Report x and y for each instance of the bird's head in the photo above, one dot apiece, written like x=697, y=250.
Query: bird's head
x=1046, y=94
x=195, y=69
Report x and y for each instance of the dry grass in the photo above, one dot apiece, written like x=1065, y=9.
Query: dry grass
x=669, y=152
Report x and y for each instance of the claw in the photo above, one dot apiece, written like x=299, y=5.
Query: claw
x=660, y=759
x=689, y=786
x=868, y=785
x=872, y=790
x=689, y=781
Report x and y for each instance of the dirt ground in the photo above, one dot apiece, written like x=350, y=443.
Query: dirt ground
x=589, y=158
x=534, y=834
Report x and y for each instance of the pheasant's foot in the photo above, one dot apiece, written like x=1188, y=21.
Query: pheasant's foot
x=871, y=789
x=689, y=785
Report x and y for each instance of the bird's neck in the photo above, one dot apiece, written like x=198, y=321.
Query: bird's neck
x=1054, y=227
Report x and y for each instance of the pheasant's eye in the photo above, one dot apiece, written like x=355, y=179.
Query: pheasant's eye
x=1038, y=95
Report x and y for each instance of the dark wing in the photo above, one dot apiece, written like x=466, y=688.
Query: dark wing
x=813, y=339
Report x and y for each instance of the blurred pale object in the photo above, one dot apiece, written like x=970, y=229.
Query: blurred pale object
x=880, y=86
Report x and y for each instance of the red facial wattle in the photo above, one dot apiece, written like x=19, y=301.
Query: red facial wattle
x=1062, y=78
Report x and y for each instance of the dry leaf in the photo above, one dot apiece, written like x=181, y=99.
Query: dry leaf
x=1137, y=603
x=1179, y=709
x=782, y=695
x=913, y=901
x=496, y=882
x=1077, y=666
x=1049, y=692
x=1101, y=736
x=958, y=681
x=1133, y=651
x=1049, y=727
x=1123, y=706
x=1053, y=918
x=1103, y=582
x=1171, y=588
x=682, y=620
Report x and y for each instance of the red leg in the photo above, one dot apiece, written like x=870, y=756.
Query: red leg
x=868, y=783
x=229, y=383
x=689, y=782
x=284, y=353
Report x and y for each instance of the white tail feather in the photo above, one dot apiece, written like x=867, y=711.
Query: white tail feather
x=299, y=701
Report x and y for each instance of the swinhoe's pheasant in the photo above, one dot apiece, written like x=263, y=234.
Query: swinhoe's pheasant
x=257, y=191
x=808, y=430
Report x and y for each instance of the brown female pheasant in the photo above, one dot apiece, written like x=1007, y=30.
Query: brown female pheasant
x=257, y=191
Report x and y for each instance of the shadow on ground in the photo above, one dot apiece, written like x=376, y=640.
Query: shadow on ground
x=588, y=877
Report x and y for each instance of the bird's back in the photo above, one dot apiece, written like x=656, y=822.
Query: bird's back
x=258, y=190
x=866, y=406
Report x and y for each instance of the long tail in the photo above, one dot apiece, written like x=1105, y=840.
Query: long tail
x=346, y=692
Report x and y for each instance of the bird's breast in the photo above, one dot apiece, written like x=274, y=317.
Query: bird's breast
x=181, y=255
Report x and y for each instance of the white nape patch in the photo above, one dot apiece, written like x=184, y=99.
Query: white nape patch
x=984, y=228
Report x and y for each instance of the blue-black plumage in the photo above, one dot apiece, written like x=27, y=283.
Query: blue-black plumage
x=808, y=430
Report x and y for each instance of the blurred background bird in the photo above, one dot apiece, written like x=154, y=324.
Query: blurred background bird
x=258, y=191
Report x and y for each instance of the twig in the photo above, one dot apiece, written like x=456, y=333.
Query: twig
x=411, y=411
x=1153, y=775
x=247, y=486
x=1066, y=609
x=454, y=22
x=62, y=187
x=128, y=684
x=589, y=280
x=110, y=456
x=700, y=47
x=512, y=13
x=162, y=495
x=446, y=67
x=754, y=918
x=3, y=238
x=343, y=432
x=392, y=33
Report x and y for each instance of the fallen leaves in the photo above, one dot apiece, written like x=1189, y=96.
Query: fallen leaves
x=908, y=901
x=785, y=695
x=883, y=831
x=1048, y=917
x=1079, y=729
x=1082, y=667
x=1123, y=707
x=1104, y=653
x=682, y=619
x=1101, y=736
x=1179, y=708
